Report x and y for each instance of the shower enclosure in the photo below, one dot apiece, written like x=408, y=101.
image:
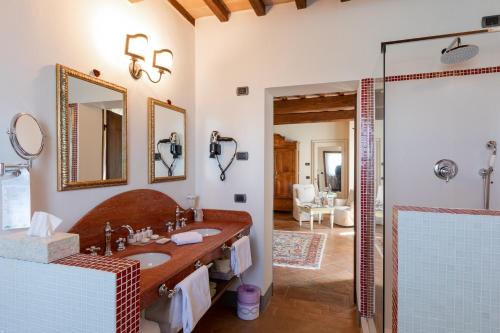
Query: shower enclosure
x=439, y=101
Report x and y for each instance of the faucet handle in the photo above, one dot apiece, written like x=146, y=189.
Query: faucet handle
x=93, y=250
x=169, y=226
x=121, y=244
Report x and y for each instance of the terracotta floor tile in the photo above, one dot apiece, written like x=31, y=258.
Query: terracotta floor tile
x=304, y=301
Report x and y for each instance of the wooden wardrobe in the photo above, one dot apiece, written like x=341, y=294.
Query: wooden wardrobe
x=286, y=172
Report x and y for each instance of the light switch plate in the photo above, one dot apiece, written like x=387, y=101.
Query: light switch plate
x=240, y=198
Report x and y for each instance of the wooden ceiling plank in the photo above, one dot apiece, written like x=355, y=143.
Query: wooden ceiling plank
x=183, y=11
x=219, y=9
x=259, y=7
x=314, y=104
x=301, y=4
x=313, y=117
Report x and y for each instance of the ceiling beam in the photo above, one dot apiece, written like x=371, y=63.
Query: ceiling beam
x=182, y=11
x=219, y=9
x=259, y=7
x=313, y=117
x=301, y=4
x=314, y=104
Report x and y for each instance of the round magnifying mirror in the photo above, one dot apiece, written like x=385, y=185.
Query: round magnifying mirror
x=26, y=136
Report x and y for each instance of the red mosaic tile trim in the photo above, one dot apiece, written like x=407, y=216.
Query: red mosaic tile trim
x=435, y=75
x=395, y=211
x=127, y=286
x=74, y=140
x=367, y=218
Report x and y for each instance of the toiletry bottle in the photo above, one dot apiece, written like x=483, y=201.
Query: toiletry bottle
x=131, y=239
x=143, y=233
x=138, y=236
x=149, y=232
x=198, y=217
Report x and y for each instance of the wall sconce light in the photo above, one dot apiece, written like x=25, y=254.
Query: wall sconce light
x=136, y=47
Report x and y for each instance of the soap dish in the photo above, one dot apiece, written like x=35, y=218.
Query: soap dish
x=162, y=241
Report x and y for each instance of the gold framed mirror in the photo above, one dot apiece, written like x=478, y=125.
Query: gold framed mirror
x=166, y=142
x=91, y=131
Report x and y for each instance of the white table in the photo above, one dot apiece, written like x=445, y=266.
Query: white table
x=317, y=210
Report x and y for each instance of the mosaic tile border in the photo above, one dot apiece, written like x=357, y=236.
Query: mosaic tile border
x=395, y=211
x=74, y=138
x=127, y=286
x=436, y=75
x=367, y=218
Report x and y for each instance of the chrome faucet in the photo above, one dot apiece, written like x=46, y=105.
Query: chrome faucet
x=180, y=222
x=108, y=231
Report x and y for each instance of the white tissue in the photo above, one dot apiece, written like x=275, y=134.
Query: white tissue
x=43, y=224
x=16, y=201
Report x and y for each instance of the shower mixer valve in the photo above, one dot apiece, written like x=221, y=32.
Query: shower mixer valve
x=445, y=169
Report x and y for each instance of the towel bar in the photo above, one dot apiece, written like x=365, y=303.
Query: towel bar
x=163, y=289
x=13, y=168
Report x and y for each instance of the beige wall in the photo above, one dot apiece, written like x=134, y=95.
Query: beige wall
x=305, y=134
x=87, y=34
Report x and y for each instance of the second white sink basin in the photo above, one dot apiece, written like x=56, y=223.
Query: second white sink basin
x=207, y=231
x=150, y=259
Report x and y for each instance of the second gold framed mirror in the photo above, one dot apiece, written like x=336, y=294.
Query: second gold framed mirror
x=166, y=142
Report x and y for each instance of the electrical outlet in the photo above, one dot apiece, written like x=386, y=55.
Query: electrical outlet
x=240, y=198
x=242, y=156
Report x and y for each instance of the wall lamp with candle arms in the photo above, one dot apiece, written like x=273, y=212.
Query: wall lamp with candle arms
x=136, y=46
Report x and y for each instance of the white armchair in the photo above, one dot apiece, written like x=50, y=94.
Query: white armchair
x=303, y=194
x=344, y=211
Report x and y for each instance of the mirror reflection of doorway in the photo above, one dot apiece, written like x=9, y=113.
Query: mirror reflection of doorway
x=332, y=162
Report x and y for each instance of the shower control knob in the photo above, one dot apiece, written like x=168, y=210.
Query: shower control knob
x=445, y=169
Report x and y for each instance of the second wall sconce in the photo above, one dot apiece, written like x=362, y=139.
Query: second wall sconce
x=136, y=47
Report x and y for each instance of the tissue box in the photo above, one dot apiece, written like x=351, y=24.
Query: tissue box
x=18, y=245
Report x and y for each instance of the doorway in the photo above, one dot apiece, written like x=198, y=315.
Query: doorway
x=314, y=168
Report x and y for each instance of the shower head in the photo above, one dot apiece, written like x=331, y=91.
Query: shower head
x=457, y=53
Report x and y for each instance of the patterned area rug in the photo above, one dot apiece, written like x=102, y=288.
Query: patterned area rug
x=298, y=249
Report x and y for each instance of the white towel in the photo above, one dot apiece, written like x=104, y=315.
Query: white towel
x=146, y=326
x=241, y=256
x=16, y=201
x=189, y=237
x=191, y=301
x=160, y=312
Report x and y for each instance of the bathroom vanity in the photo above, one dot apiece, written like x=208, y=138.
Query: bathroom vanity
x=142, y=208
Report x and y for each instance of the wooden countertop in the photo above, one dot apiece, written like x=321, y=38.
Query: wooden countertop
x=183, y=257
x=144, y=207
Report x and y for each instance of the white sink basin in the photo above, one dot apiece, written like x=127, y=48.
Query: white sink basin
x=151, y=259
x=207, y=231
